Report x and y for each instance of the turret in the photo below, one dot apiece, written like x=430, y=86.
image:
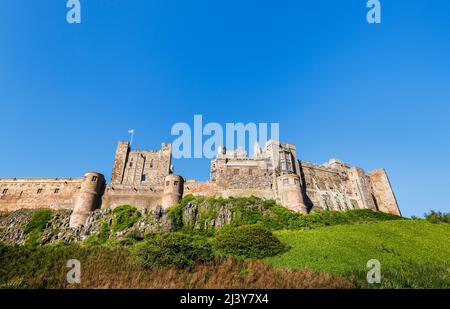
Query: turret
x=290, y=192
x=120, y=160
x=173, y=190
x=88, y=199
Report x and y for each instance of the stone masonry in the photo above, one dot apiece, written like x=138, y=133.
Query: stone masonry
x=144, y=179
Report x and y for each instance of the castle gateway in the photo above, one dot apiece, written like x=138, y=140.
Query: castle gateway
x=144, y=179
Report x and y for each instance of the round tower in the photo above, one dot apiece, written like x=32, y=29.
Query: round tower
x=88, y=199
x=173, y=190
x=290, y=192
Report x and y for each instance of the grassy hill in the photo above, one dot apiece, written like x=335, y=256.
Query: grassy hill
x=223, y=243
x=412, y=253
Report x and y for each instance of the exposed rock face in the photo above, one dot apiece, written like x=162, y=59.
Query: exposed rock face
x=202, y=213
x=192, y=215
x=13, y=225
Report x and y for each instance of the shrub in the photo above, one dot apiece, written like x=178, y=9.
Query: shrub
x=125, y=216
x=36, y=225
x=437, y=217
x=173, y=249
x=248, y=241
x=3, y=248
x=175, y=212
x=135, y=235
x=101, y=237
x=38, y=220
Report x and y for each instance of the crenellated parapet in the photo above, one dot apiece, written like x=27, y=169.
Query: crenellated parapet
x=145, y=179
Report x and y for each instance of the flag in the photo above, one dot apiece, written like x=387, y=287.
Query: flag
x=131, y=131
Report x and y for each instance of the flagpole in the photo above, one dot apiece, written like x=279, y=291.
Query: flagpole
x=132, y=133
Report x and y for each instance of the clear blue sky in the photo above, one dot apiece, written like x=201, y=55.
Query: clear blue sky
x=372, y=95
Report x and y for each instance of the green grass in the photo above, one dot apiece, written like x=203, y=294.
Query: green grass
x=36, y=225
x=412, y=253
x=39, y=220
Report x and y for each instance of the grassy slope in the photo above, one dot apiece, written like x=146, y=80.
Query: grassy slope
x=412, y=253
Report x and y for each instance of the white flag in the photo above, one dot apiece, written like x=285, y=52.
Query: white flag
x=131, y=131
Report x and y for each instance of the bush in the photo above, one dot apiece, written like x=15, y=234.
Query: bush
x=36, y=225
x=175, y=212
x=125, y=216
x=3, y=248
x=101, y=237
x=173, y=249
x=248, y=241
x=38, y=220
x=437, y=217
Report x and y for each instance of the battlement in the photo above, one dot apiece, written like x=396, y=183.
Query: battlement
x=144, y=178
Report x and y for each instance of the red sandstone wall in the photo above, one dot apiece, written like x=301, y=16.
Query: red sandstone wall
x=55, y=193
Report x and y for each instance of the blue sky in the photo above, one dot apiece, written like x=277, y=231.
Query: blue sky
x=372, y=95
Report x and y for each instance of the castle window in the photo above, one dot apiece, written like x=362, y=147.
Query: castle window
x=5, y=191
x=94, y=178
x=143, y=177
x=250, y=172
x=175, y=183
x=151, y=164
x=131, y=164
x=167, y=183
x=289, y=167
x=283, y=166
x=56, y=191
x=236, y=172
x=39, y=191
x=285, y=182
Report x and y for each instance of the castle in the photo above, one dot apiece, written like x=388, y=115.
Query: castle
x=144, y=179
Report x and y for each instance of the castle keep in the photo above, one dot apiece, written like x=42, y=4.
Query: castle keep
x=145, y=179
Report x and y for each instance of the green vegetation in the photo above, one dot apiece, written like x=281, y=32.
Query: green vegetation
x=413, y=253
x=39, y=220
x=115, y=267
x=436, y=217
x=36, y=225
x=264, y=245
x=253, y=210
x=173, y=249
x=125, y=216
x=101, y=237
x=248, y=241
x=45, y=266
x=175, y=213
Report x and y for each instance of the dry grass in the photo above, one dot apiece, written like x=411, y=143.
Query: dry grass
x=103, y=268
x=224, y=273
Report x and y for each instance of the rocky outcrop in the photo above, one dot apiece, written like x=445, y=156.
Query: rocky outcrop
x=201, y=213
x=14, y=224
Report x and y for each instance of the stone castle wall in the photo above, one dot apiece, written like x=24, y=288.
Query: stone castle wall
x=144, y=179
x=31, y=193
x=327, y=188
x=138, y=177
x=382, y=192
